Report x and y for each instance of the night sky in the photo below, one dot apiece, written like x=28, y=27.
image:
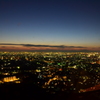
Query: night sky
x=50, y=25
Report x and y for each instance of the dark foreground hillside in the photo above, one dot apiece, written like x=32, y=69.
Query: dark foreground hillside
x=21, y=91
x=33, y=92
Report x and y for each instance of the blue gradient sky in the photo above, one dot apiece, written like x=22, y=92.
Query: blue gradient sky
x=50, y=22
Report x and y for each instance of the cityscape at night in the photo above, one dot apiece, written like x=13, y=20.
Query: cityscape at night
x=50, y=49
x=53, y=72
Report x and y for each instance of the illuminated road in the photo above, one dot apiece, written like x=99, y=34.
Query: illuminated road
x=96, y=87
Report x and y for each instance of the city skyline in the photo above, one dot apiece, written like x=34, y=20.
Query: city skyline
x=53, y=25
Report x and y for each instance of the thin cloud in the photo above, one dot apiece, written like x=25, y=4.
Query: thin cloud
x=8, y=44
x=32, y=45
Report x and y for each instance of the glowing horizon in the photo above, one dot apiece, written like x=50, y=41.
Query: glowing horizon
x=30, y=47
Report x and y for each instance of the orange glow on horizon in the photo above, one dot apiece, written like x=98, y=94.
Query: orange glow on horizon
x=29, y=48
